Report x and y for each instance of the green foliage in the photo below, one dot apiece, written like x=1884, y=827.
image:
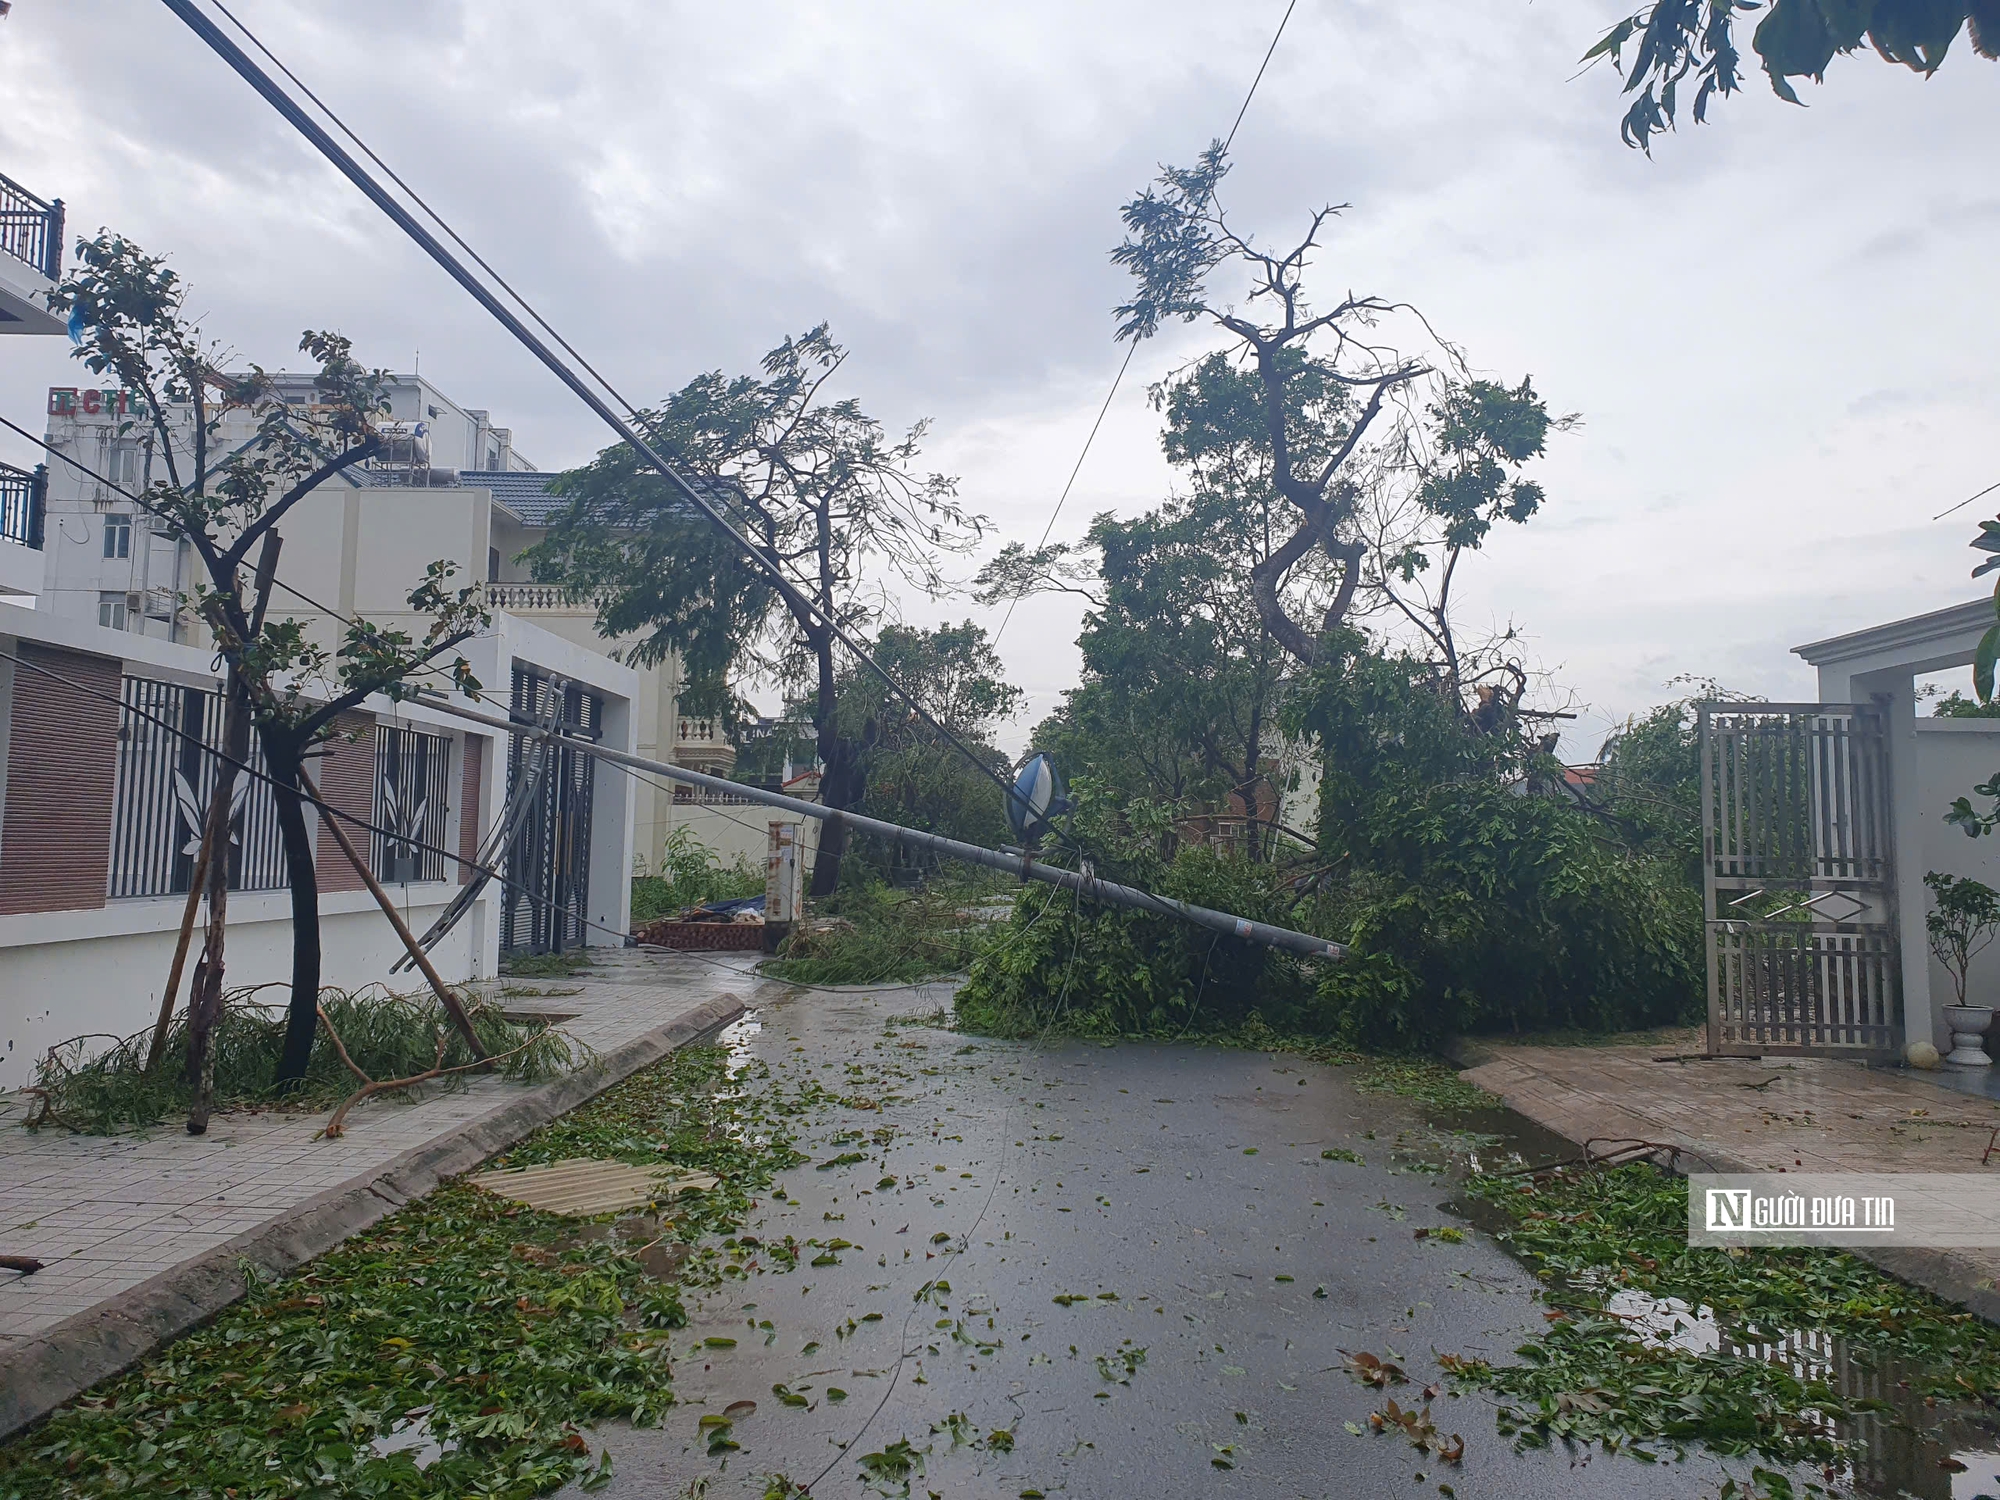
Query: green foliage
x=502, y=1328
x=690, y=874
x=1592, y=1234
x=870, y=934
x=1794, y=39
x=1963, y=917
x=1092, y=970
x=1469, y=900
x=387, y=1036
x=907, y=774
x=1955, y=705
x=133, y=308
x=807, y=476
x=1482, y=431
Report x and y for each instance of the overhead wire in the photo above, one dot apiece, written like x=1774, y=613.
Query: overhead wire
x=1967, y=501
x=451, y=856
x=481, y=694
x=1133, y=347
x=797, y=600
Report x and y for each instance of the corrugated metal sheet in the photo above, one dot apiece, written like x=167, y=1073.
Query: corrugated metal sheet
x=585, y=1188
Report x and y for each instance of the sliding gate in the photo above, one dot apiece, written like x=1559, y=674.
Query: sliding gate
x=1797, y=880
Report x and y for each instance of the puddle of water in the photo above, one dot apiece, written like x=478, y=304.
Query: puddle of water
x=1942, y=1451
x=738, y=1037
x=659, y=1259
x=412, y=1434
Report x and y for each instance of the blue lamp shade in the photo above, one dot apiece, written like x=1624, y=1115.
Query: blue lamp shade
x=1039, y=797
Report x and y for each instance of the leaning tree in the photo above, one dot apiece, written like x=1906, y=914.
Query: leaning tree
x=817, y=483
x=225, y=498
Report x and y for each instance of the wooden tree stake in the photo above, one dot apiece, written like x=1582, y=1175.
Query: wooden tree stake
x=417, y=955
x=195, y=884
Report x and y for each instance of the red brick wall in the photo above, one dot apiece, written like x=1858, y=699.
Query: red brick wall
x=471, y=779
x=345, y=775
x=62, y=763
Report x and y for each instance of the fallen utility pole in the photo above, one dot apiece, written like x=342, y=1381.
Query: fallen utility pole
x=1024, y=866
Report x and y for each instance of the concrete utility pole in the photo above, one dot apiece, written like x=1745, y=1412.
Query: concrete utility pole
x=1023, y=866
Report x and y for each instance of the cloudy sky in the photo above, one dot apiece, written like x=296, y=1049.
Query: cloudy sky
x=1780, y=332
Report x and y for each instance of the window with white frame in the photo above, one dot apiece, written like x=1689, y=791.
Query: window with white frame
x=111, y=611
x=117, y=536
x=124, y=465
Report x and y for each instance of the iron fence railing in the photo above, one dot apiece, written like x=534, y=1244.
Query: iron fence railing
x=30, y=230
x=23, y=500
x=164, y=781
x=412, y=804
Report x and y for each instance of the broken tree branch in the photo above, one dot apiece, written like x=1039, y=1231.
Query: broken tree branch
x=341, y=1047
x=338, y=1124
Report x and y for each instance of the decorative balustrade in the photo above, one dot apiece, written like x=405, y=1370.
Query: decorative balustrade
x=524, y=598
x=22, y=497
x=31, y=231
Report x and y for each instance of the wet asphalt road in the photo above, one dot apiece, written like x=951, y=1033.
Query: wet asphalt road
x=1220, y=1266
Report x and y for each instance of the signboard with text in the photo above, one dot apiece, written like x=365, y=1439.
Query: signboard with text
x=70, y=401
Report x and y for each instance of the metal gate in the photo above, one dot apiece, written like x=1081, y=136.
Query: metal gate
x=548, y=867
x=1797, y=882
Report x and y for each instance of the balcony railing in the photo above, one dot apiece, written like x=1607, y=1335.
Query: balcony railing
x=531, y=596
x=30, y=230
x=22, y=499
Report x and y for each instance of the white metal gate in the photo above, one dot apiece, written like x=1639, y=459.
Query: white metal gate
x=1797, y=880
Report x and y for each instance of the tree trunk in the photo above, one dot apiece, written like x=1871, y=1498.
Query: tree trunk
x=303, y=1016
x=205, y=1000
x=835, y=784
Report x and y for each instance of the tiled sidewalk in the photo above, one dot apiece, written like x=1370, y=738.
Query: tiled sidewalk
x=1737, y=1114
x=107, y=1214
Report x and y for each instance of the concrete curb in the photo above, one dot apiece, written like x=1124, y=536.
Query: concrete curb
x=1942, y=1272
x=74, y=1355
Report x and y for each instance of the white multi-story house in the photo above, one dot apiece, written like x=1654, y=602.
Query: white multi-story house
x=447, y=485
x=110, y=711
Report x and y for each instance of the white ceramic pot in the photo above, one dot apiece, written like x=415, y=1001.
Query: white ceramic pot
x=1968, y=1025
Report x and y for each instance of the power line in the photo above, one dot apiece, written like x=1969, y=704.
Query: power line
x=1967, y=501
x=1133, y=347
x=800, y=604
x=452, y=856
x=481, y=694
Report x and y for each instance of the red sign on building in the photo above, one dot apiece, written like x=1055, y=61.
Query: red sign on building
x=68, y=401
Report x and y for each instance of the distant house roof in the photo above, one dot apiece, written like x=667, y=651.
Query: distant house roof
x=525, y=493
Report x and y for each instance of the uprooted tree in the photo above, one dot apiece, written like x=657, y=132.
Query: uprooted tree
x=225, y=496
x=816, y=482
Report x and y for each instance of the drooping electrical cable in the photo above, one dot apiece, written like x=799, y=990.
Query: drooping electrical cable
x=801, y=605
x=1133, y=347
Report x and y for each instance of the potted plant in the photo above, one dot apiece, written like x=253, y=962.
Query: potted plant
x=1963, y=918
